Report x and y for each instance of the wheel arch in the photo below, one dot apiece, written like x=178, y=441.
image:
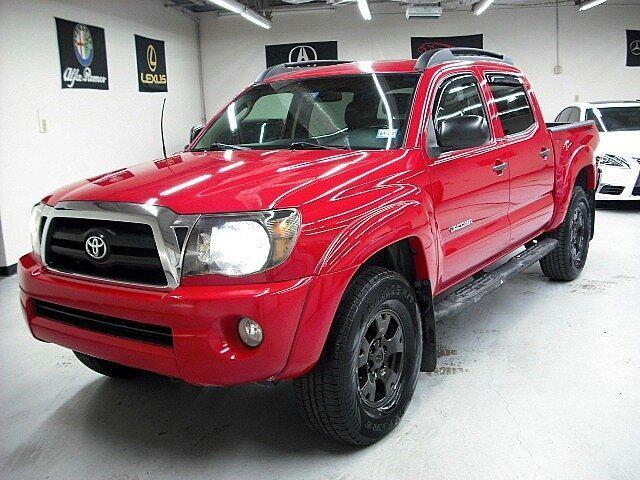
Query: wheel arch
x=406, y=256
x=578, y=171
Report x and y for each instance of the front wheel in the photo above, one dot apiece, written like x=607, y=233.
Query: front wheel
x=362, y=384
x=569, y=257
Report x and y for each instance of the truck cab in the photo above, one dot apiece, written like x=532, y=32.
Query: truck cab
x=314, y=230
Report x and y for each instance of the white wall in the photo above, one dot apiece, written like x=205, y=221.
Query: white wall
x=592, y=46
x=90, y=131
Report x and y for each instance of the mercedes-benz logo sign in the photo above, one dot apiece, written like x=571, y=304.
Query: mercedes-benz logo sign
x=96, y=247
x=303, y=53
x=634, y=47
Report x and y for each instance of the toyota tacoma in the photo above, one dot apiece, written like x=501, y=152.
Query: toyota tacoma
x=315, y=230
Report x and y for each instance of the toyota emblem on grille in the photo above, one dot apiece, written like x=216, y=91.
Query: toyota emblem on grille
x=96, y=247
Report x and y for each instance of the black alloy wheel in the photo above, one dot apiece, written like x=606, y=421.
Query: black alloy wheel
x=380, y=360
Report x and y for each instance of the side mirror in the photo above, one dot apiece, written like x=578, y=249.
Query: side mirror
x=194, y=132
x=463, y=132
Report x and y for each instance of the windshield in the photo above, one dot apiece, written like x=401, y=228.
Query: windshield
x=617, y=119
x=366, y=111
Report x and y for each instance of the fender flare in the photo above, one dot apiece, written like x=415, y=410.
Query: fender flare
x=566, y=176
x=376, y=230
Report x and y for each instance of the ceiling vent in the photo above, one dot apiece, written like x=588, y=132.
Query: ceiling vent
x=429, y=11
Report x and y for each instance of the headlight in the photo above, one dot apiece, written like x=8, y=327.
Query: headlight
x=612, y=161
x=240, y=244
x=35, y=226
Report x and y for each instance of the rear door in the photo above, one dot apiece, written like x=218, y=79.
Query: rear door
x=470, y=194
x=526, y=146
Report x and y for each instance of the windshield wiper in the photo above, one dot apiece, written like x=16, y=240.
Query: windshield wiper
x=221, y=146
x=315, y=146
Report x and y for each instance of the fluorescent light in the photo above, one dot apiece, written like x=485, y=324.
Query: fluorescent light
x=590, y=4
x=234, y=7
x=253, y=17
x=480, y=7
x=363, y=6
x=246, y=13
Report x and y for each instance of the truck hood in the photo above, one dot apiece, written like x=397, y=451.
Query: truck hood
x=228, y=181
x=620, y=143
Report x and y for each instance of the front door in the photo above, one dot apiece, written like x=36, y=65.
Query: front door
x=470, y=188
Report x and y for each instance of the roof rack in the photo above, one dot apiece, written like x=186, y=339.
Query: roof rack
x=442, y=55
x=285, y=67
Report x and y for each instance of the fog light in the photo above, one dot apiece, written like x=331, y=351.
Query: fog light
x=250, y=332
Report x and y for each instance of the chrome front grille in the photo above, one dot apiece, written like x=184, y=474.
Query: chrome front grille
x=143, y=244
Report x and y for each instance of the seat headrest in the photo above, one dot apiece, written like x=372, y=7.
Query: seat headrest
x=361, y=113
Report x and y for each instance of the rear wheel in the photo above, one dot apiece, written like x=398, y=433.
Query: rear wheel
x=105, y=367
x=569, y=257
x=362, y=384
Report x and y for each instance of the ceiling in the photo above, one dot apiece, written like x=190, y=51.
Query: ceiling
x=266, y=7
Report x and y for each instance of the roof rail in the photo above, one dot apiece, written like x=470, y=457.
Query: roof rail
x=442, y=55
x=285, y=67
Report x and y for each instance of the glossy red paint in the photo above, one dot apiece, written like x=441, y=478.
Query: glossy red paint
x=353, y=204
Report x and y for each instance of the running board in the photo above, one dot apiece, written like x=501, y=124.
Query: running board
x=488, y=282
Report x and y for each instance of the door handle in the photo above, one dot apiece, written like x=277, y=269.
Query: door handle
x=499, y=168
x=545, y=152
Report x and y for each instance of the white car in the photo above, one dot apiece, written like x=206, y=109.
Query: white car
x=618, y=154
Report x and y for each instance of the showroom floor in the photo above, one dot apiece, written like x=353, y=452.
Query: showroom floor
x=540, y=380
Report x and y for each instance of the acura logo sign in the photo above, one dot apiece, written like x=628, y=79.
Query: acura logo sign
x=303, y=53
x=96, y=247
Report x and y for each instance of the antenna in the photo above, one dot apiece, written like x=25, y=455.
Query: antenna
x=164, y=148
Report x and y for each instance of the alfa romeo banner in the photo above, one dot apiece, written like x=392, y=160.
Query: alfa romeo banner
x=83, y=55
x=301, y=52
x=633, y=48
x=152, y=65
x=419, y=45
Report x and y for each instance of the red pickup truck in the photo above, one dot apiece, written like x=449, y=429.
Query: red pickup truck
x=315, y=230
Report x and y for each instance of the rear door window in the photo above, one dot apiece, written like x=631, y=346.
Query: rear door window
x=514, y=110
x=563, y=116
x=574, y=116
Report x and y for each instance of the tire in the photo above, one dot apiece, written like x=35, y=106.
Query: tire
x=566, y=262
x=105, y=367
x=337, y=397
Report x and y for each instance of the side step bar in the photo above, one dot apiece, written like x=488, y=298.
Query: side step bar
x=488, y=282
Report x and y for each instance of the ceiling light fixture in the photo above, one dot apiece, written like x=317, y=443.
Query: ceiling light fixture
x=363, y=6
x=480, y=7
x=242, y=10
x=590, y=4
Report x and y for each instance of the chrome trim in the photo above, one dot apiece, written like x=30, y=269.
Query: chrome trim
x=464, y=224
x=162, y=220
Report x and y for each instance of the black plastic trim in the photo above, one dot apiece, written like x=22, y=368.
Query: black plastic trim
x=9, y=270
x=96, y=322
x=437, y=56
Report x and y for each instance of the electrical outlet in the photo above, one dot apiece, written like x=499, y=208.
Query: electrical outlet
x=576, y=98
x=43, y=126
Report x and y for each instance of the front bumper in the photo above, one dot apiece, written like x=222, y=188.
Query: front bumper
x=206, y=348
x=619, y=183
